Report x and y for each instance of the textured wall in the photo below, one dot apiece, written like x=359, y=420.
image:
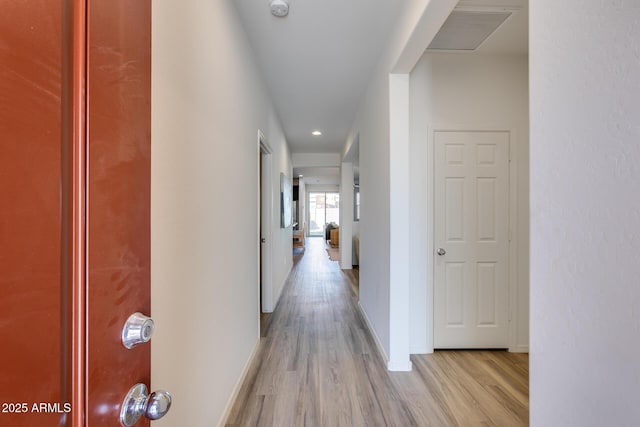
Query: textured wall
x=585, y=213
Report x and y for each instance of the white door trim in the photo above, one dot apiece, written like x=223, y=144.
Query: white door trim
x=346, y=215
x=513, y=241
x=264, y=154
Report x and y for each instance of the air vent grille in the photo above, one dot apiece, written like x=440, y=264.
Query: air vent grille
x=467, y=30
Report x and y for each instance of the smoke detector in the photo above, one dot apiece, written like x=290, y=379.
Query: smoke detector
x=279, y=8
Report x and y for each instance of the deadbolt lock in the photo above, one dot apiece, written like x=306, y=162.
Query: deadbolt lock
x=137, y=330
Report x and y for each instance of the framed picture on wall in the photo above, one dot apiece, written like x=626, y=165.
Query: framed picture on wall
x=286, y=201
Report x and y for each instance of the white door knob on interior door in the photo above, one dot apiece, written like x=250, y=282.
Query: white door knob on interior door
x=441, y=251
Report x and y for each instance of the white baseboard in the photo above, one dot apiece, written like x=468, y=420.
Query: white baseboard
x=236, y=389
x=392, y=365
x=379, y=346
x=522, y=348
x=400, y=366
x=420, y=350
x=275, y=299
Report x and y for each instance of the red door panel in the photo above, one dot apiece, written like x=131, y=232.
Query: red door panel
x=119, y=174
x=43, y=279
x=32, y=311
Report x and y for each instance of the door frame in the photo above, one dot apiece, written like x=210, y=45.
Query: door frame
x=265, y=222
x=512, y=286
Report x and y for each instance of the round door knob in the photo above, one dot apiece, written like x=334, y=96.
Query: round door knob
x=441, y=251
x=158, y=405
x=137, y=330
x=139, y=402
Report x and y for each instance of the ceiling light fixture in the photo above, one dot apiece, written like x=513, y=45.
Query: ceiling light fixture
x=316, y=133
x=279, y=8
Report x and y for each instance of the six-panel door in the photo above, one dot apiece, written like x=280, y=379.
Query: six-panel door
x=471, y=227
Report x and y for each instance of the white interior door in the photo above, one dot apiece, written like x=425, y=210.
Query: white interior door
x=471, y=239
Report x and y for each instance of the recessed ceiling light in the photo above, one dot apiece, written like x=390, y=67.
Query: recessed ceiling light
x=316, y=133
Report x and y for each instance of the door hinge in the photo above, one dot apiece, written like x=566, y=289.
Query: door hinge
x=510, y=235
x=510, y=315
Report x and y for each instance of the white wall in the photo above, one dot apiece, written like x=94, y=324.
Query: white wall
x=399, y=226
x=282, y=238
x=302, y=203
x=322, y=187
x=373, y=126
x=208, y=103
x=419, y=20
x=315, y=159
x=470, y=92
x=585, y=213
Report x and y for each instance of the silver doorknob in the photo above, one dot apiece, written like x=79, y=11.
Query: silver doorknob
x=139, y=402
x=137, y=330
x=158, y=405
x=441, y=251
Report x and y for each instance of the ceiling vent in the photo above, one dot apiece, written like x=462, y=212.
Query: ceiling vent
x=468, y=29
x=279, y=8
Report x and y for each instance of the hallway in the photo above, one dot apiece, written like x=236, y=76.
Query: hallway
x=317, y=365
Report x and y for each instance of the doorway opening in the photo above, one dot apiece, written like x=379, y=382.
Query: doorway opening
x=262, y=239
x=265, y=212
x=324, y=208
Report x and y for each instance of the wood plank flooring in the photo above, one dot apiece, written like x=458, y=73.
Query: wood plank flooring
x=317, y=366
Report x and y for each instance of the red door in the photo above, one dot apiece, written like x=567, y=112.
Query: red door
x=35, y=311
x=119, y=172
x=74, y=225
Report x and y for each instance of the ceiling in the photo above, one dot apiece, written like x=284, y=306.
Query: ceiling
x=318, y=60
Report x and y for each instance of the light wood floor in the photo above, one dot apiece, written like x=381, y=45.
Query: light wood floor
x=317, y=366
